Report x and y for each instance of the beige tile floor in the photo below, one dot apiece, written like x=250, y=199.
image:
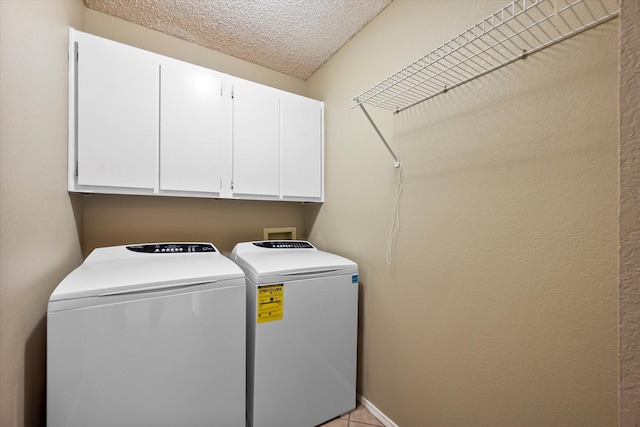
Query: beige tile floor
x=359, y=417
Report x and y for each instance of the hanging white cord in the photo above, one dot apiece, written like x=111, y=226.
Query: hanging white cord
x=395, y=225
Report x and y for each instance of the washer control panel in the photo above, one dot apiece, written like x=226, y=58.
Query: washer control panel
x=172, y=248
x=284, y=244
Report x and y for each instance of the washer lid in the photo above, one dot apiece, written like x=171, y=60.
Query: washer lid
x=120, y=270
x=288, y=260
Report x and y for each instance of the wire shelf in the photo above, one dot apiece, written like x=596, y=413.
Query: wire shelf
x=519, y=29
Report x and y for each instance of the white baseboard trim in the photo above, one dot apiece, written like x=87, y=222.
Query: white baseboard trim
x=376, y=412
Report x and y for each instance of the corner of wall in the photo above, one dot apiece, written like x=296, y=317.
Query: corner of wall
x=629, y=220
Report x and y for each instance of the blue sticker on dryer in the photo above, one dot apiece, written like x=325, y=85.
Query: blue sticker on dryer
x=354, y=278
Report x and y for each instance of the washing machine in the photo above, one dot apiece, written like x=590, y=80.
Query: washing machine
x=148, y=335
x=302, y=316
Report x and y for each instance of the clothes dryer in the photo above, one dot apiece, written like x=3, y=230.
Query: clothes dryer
x=302, y=315
x=148, y=335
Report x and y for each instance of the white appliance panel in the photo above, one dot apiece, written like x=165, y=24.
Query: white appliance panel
x=298, y=368
x=301, y=363
x=126, y=349
x=170, y=347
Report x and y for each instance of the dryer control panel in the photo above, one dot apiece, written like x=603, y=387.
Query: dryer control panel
x=172, y=248
x=284, y=244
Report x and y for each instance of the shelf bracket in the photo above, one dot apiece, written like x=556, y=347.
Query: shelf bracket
x=396, y=163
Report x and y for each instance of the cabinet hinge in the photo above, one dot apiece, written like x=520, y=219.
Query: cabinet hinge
x=232, y=89
x=76, y=51
x=231, y=185
x=76, y=171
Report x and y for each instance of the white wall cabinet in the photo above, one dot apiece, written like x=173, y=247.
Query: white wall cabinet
x=256, y=140
x=302, y=154
x=142, y=123
x=277, y=144
x=117, y=115
x=192, y=129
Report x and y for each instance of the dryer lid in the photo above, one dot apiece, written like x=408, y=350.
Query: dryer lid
x=119, y=270
x=288, y=261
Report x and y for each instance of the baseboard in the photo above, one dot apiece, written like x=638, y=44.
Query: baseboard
x=376, y=412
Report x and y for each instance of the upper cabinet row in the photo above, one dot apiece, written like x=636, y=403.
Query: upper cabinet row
x=142, y=123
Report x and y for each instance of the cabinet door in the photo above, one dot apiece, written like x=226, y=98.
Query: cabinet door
x=117, y=115
x=302, y=153
x=256, y=139
x=192, y=128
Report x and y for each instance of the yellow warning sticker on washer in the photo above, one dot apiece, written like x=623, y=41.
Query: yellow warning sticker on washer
x=270, y=303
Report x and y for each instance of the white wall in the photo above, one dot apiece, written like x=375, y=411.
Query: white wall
x=39, y=234
x=501, y=307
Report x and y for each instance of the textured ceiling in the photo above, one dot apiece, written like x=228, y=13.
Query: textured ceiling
x=294, y=37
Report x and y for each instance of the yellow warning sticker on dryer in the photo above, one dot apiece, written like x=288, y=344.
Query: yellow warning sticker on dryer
x=270, y=303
